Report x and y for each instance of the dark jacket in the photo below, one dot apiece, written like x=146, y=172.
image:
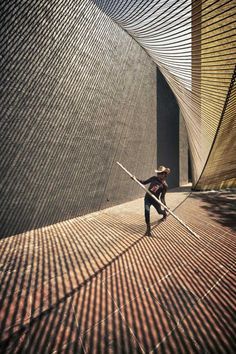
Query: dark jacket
x=156, y=187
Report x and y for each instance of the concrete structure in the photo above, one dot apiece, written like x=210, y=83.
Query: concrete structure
x=168, y=130
x=184, y=168
x=80, y=90
x=72, y=105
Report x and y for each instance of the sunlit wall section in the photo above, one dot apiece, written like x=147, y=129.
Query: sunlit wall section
x=218, y=58
x=220, y=169
x=193, y=44
x=77, y=94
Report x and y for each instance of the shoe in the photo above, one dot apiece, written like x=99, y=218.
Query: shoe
x=164, y=218
x=148, y=231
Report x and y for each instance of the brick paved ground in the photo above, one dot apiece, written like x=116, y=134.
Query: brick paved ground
x=96, y=284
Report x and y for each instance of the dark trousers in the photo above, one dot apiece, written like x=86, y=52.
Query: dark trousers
x=148, y=202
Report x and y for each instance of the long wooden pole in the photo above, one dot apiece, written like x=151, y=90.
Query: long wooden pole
x=157, y=200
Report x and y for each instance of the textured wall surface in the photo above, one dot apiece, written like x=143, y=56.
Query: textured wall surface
x=193, y=44
x=184, y=168
x=218, y=102
x=220, y=168
x=77, y=95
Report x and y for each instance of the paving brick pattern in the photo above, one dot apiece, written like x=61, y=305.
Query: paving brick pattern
x=96, y=284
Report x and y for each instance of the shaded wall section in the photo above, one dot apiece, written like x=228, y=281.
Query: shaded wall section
x=78, y=94
x=167, y=130
x=184, y=168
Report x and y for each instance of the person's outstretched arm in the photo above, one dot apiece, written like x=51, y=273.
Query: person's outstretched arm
x=146, y=181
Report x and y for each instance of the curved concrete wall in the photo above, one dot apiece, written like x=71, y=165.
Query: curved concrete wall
x=193, y=45
x=78, y=94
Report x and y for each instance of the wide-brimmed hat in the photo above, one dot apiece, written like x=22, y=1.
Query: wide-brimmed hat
x=162, y=169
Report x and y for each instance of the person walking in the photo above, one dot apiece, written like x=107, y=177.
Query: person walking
x=158, y=187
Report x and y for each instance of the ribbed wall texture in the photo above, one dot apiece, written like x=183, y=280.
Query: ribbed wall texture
x=220, y=168
x=193, y=44
x=77, y=94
